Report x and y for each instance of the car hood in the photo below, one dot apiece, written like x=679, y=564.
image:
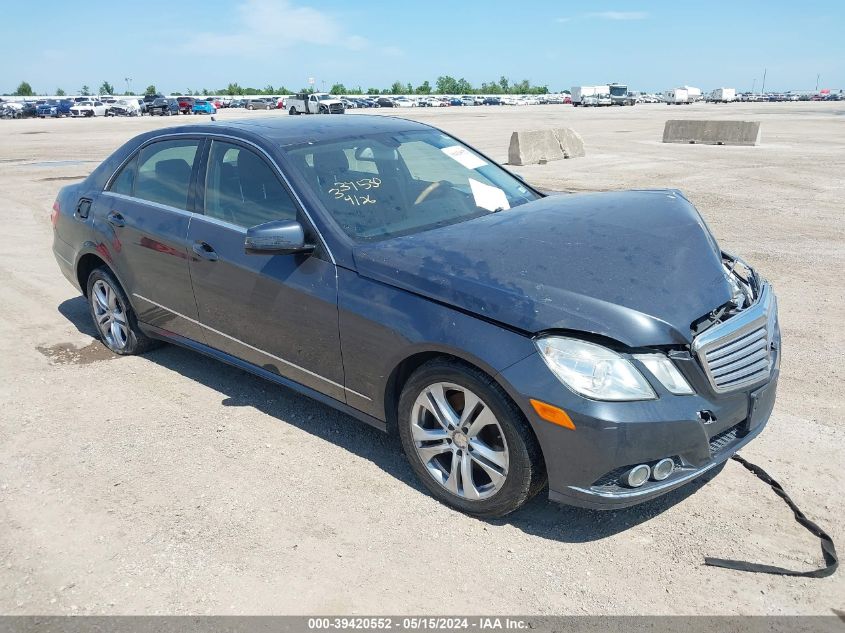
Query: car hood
x=636, y=266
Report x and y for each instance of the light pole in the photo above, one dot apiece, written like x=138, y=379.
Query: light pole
x=763, y=88
x=817, y=82
x=128, y=81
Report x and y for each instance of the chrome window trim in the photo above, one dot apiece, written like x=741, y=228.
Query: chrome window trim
x=252, y=347
x=157, y=205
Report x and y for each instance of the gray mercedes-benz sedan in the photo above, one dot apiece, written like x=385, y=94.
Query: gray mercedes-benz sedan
x=602, y=343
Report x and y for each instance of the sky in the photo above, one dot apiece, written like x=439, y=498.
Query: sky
x=649, y=45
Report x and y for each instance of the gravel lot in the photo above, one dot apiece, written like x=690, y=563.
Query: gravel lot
x=173, y=484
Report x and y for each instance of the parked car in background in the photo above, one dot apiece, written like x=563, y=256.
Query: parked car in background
x=148, y=99
x=163, y=107
x=256, y=104
x=88, y=109
x=54, y=108
x=314, y=103
x=28, y=109
x=204, y=107
x=123, y=107
x=186, y=104
x=385, y=102
x=492, y=101
x=508, y=100
x=456, y=101
x=404, y=102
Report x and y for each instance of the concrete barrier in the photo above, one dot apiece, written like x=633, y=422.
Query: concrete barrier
x=712, y=132
x=541, y=146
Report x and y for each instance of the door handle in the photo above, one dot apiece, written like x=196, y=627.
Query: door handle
x=115, y=219
x=205, y=251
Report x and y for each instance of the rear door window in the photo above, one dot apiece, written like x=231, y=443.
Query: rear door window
x=164, y=172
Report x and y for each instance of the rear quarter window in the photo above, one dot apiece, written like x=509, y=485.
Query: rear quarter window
x=124, y=182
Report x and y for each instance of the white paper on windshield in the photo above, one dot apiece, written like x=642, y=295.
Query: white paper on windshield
x=463, y=156
x=488, y=197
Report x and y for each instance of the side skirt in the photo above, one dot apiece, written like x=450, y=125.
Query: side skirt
x=170, y=337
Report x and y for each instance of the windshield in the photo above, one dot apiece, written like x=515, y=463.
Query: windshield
x=394, y=184
x=324, y=97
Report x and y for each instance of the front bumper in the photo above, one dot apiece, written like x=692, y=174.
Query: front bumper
x=699, y=432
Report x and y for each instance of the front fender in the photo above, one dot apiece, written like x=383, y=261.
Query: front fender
x=381, y=326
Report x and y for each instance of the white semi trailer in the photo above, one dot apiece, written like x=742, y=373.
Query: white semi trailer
x=579, y=93
x=677, y=96
x=722, y=95
x=590, y=95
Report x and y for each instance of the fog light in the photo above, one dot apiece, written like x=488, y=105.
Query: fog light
x=662, y=469
x=637, y=476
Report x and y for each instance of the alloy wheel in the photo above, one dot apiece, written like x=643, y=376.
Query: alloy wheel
x=110, y=315
x=459, y=441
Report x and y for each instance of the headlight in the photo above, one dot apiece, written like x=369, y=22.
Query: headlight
x=593, y=371
x=665, y=371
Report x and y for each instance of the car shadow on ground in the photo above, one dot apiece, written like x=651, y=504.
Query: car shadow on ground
x=538, y=517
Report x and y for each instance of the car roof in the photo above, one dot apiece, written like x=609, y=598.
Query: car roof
x=291, y=130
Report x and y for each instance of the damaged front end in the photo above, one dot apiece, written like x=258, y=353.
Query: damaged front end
x=624, y=453
x=736, y=344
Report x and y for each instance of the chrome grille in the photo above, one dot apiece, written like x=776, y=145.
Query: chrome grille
x=736, y=353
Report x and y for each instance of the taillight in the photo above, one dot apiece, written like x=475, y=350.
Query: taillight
x=54, y=215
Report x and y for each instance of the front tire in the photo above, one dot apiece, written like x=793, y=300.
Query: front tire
x=467, y=441
x=113, y=316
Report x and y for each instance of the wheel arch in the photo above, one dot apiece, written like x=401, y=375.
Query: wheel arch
x=400, y=374
x=85, y=266
x=91, y=259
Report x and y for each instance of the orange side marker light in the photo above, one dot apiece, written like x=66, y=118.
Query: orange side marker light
x=552, y=414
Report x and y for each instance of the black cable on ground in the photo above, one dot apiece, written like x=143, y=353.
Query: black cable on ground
x=828, y=549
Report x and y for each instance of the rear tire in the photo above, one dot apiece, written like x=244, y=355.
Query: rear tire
x=477, y=453
x=114, y=319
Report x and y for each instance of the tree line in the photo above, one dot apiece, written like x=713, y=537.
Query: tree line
x=444, y=85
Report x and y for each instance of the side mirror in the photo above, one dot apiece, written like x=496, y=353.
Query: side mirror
x=279, y=237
